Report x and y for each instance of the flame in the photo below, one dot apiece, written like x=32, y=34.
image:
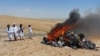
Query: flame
x=59, y=31
x=56, y=32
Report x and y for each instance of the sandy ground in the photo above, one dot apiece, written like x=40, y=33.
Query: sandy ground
x=33, y=47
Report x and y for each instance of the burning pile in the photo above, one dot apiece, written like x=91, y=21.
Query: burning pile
x=62, y=36
x=61, y=28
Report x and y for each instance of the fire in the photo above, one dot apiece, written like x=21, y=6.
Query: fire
x=59, y=31
x=56, y=32
x=60, y=37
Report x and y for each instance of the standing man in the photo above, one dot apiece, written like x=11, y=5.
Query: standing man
x=15, y=31
x=30, y=31
x=10, y=32
x=20, y=31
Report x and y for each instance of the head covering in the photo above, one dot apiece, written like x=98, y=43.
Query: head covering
x=14, y=23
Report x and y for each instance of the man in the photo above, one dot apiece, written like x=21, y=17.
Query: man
x=15, y=31
x=30, y=31
x=20, y=31
x=9, y=31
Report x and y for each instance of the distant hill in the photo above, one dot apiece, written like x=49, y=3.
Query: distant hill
x=37, y=24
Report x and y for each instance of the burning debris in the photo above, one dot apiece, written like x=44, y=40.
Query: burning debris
x=61, y=35
x=61, y=28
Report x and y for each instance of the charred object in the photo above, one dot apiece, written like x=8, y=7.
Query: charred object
x=71, y=40
x=61, y=35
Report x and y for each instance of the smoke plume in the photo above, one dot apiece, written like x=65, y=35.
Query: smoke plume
x=89, y=24
x=74, y=16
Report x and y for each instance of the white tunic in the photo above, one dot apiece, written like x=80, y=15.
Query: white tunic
x=10, y=33
x=21, y=34
x=30, y=31
x=15, y=31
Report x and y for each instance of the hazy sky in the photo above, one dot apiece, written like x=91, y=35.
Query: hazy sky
x=45, y=8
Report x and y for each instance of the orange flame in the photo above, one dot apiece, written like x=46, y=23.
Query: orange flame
x=58, y=31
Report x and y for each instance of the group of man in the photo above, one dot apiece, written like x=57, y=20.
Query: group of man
x=17, y=31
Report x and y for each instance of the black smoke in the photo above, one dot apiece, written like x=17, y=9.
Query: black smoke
x=89, y=24
x=74, y=16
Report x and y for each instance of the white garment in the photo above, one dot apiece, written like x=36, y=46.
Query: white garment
x=30, y=29
x=30, y=32
x=10, y=33
x=21, y=34
x=15, y=31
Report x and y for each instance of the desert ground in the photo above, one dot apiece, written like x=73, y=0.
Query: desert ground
x=33, y=47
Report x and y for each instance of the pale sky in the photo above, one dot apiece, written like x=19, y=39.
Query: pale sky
x=57, y=9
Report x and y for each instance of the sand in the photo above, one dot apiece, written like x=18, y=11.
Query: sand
x=33, y=47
